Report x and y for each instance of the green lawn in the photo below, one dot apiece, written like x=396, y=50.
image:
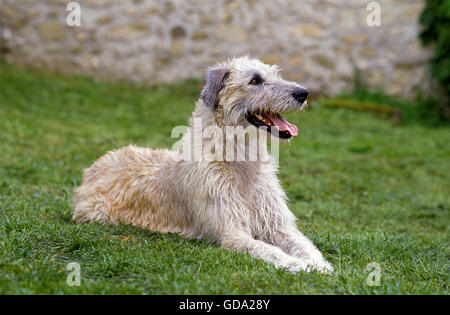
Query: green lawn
x=364, y=191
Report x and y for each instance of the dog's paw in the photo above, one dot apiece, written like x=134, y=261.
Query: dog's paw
x=316, y=262
x=295, y=266
x=321, y=265
x=298, y=265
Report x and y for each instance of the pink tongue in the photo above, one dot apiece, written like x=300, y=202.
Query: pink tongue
x=283, y=125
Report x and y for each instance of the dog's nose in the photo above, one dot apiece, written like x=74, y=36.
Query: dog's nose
x=300, y=94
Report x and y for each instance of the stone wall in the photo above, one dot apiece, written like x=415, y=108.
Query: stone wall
x=319, y=43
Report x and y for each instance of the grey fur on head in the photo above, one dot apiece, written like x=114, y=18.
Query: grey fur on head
x=215, y=79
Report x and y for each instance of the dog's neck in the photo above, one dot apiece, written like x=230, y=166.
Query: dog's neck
x=209, y=140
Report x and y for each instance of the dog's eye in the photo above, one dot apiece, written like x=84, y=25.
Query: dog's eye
x=256, y=81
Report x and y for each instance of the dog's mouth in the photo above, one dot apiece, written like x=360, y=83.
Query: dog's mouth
x=285, y=129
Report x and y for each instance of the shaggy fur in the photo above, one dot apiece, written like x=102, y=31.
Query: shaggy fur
x=239, y=204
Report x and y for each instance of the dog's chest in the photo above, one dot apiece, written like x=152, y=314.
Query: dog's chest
x=260, y=189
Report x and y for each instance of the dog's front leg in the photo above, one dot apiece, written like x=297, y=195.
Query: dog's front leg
x=296, y=244
x=243, y=242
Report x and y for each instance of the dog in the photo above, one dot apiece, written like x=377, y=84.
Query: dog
x=240, y=205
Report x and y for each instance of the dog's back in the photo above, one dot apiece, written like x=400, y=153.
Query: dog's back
x=118, y=185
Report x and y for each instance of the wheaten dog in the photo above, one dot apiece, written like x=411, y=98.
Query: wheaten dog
x=239, y=204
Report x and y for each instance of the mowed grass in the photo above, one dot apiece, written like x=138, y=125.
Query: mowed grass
x=363, y=190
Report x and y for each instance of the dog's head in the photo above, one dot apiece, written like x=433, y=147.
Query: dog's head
x=245, y=91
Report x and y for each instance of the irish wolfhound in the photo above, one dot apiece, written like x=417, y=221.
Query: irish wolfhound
x=238, y=204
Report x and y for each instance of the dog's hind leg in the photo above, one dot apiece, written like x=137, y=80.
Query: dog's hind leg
x=243, y=242
x=90, y=206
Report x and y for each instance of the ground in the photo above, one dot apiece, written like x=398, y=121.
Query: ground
x=363, y=190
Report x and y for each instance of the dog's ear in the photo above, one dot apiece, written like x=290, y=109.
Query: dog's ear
x=215, y=80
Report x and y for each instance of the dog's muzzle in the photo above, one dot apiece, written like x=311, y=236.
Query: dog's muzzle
x=285, y=129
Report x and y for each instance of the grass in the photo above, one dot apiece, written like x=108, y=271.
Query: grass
x=364, y=191
x=424, y=110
